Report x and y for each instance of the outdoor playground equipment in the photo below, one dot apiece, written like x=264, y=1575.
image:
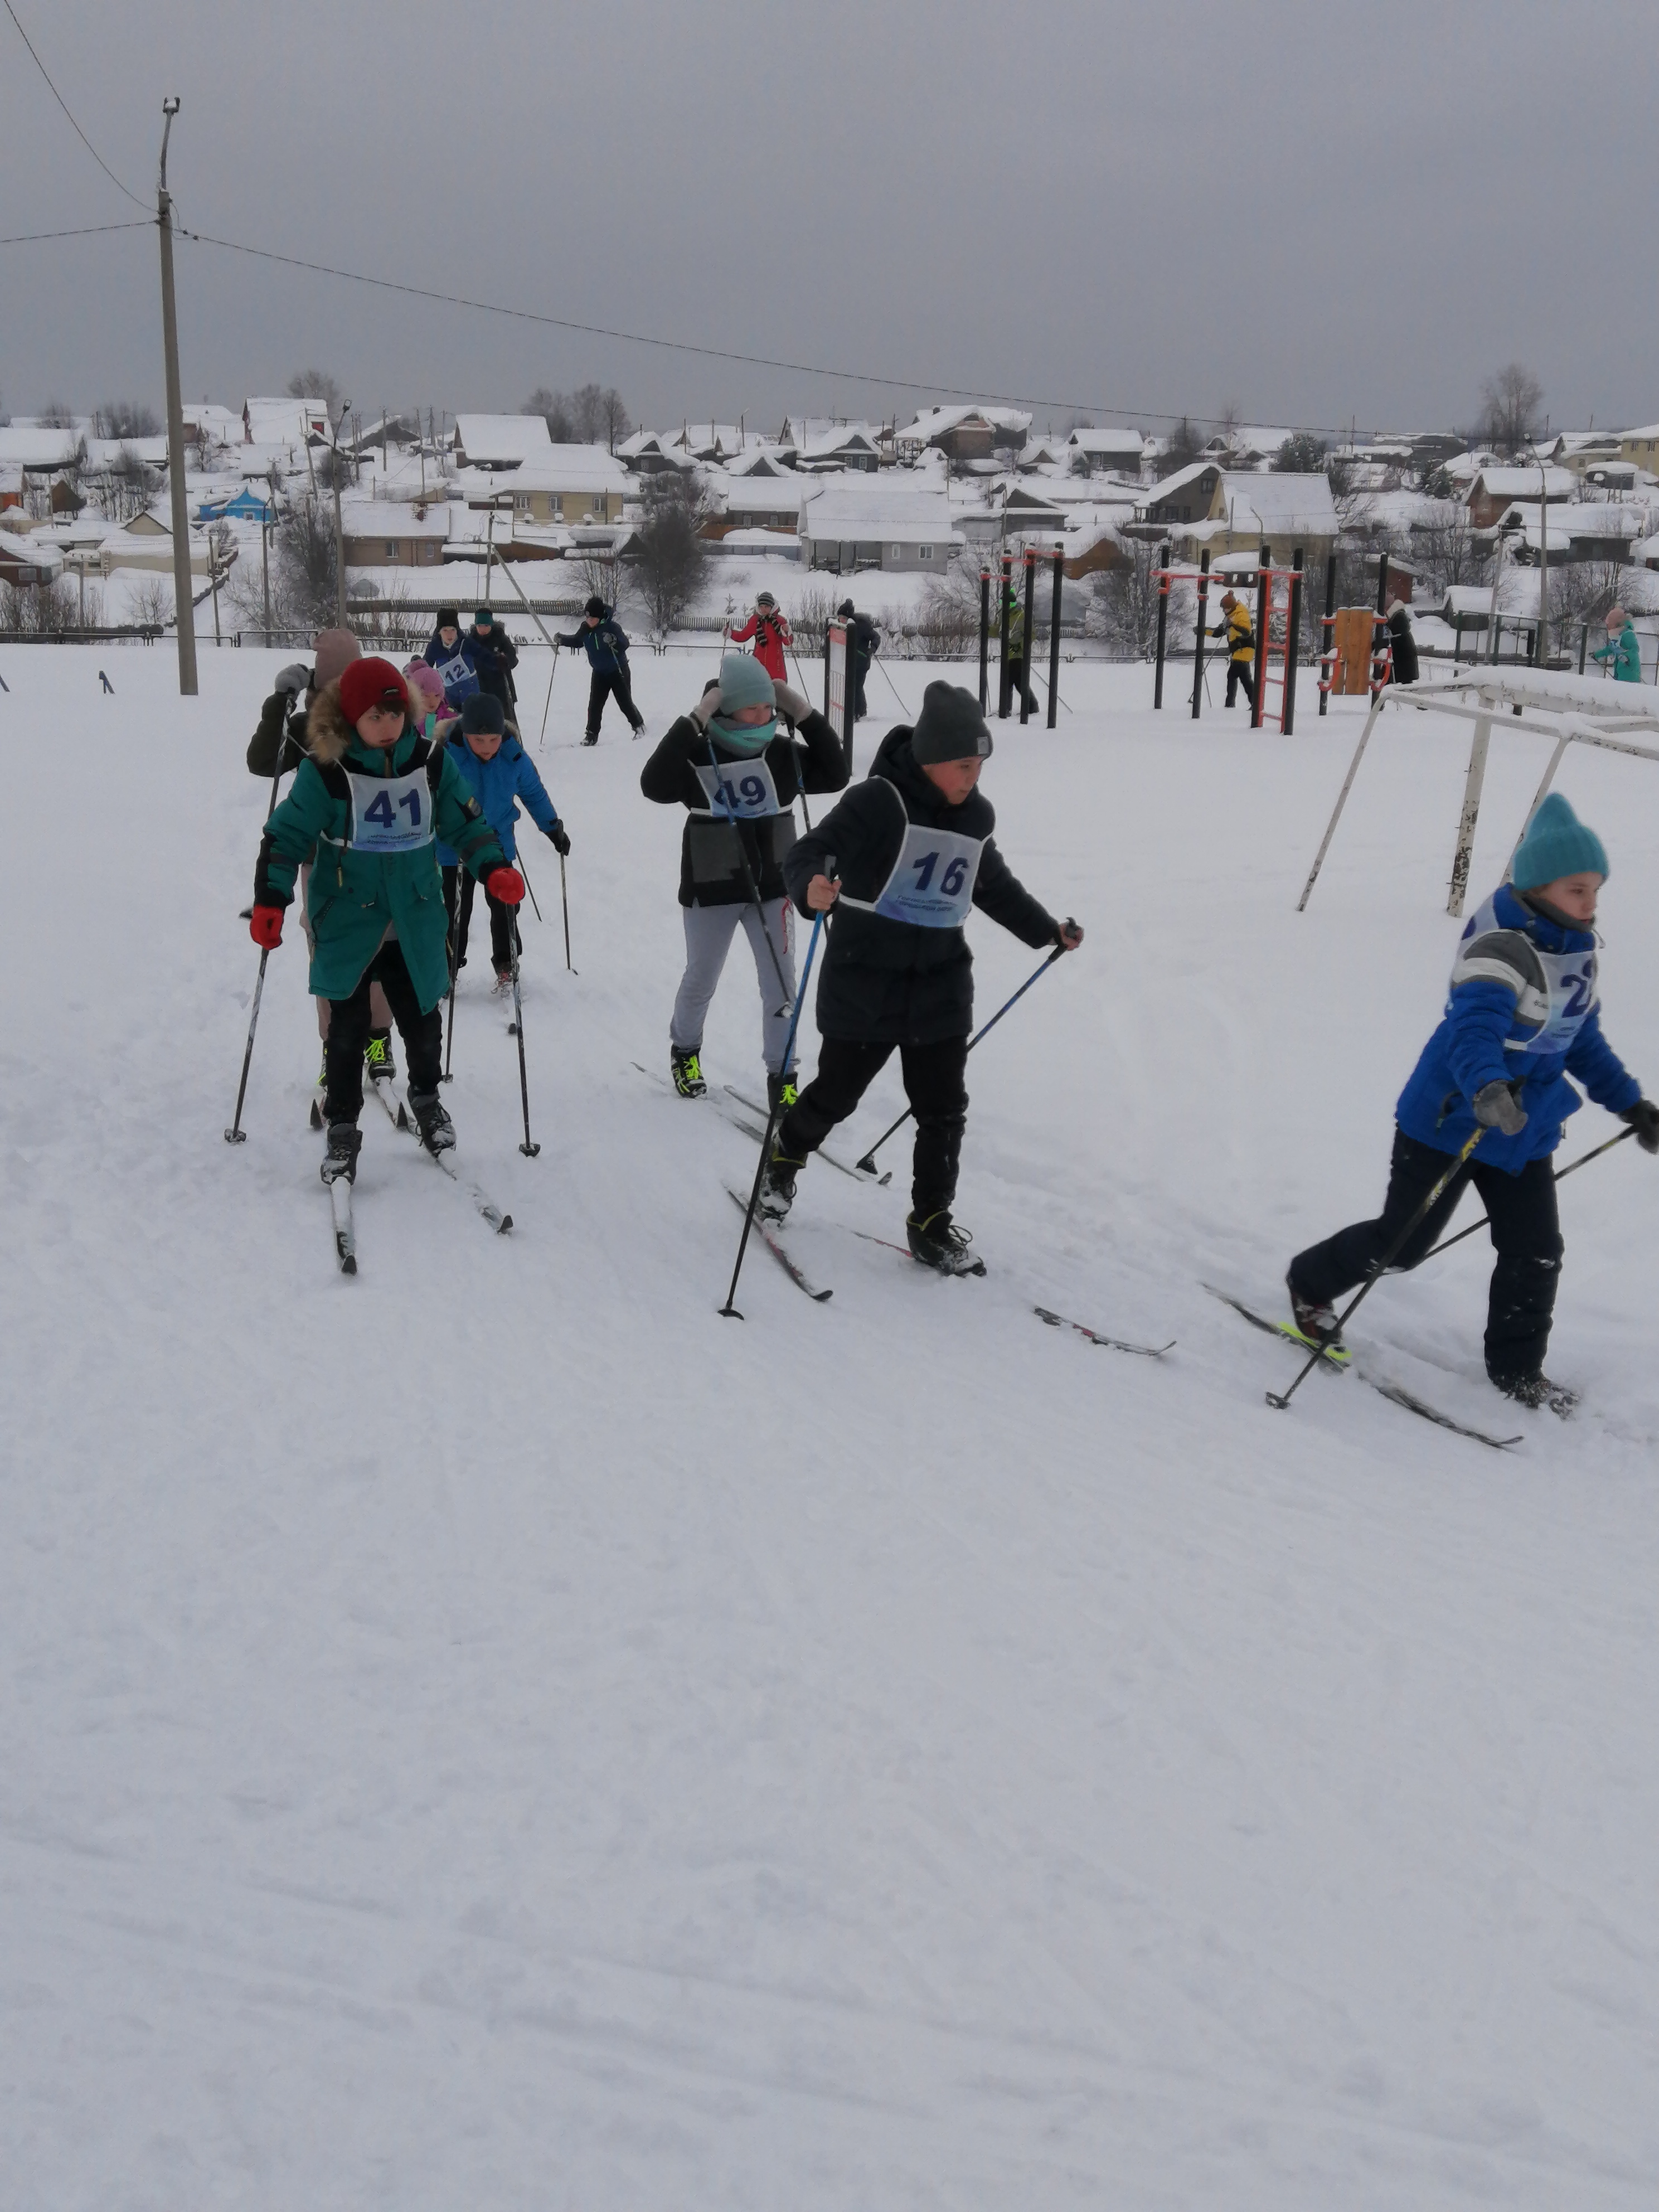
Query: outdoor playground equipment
x=1031, y=557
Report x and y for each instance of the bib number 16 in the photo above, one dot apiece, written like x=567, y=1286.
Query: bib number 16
x=949, y=883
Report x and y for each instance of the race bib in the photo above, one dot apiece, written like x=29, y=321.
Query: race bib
x=740, y=790
x=1569, y=982
x=932, y=884
x=390, y=814
x=458, y=678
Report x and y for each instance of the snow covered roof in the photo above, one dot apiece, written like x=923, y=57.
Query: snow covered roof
x=387, y=518
x=274, y=421
x=1278, y=503
x=932, y=422
x=876, y=507
x=1103, y=437
x=26, y=447
x=571, y=468
x=1156, y=493
x=1523, y=483
x=505, y=441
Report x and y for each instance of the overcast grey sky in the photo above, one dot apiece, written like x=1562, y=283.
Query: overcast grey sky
x=1311, y=211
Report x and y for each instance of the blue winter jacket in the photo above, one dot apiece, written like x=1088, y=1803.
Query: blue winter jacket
x=605, y=644
x=497, y=785
x=458, y=666
x=1492, y=1015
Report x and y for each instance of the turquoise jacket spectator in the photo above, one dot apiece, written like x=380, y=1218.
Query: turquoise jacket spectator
x=1624, y=652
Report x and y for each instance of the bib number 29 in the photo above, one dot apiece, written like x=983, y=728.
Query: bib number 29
x=380, y=809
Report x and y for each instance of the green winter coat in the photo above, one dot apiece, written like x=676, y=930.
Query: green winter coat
x=354, y=898
x=1624, y=653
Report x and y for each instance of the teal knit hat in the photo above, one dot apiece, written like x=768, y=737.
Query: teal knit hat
x=1557, y=843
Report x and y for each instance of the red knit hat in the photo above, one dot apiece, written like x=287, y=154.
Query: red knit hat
x=371, y=682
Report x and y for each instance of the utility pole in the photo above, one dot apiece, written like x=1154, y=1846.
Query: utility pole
x=182, y=602
x=339, y=532
x=1543, y=562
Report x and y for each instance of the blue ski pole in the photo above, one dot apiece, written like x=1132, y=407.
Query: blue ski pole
x=728, y=1311
x=867, y=1165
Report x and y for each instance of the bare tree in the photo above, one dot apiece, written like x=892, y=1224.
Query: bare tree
x=553, y=410
x=1126, y=601
x=151, y=601
x=125, y=419
x=37, y=610
x=1447, y=549
x=674, y=554
x=1509, y=402
x=55, y=416
x=315, y=384
x=302, y=564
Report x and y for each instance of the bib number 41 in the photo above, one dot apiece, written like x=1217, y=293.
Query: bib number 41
x=380, y=809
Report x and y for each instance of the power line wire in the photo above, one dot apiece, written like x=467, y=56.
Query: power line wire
x=64, y=104
x=89, y=230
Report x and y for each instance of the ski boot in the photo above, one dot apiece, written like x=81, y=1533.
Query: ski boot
x=592, y=738
x=1535, y=1391
x=938, y=1242
x=777, y=1190
x=1318, y=1324
x=377, y=1056
x=502, y=986
x=780, y=1092
x=432, y=1125
x=345, y=1141
x=686, y=1069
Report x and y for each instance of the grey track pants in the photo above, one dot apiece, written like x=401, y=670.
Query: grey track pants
x=709, y=931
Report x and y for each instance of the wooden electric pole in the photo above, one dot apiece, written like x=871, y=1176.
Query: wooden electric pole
x=182, y=605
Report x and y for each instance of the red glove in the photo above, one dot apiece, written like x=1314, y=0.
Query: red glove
x=506, y=884
x=265, y=926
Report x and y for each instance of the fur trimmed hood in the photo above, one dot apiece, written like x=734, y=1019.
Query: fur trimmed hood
x=328, y=733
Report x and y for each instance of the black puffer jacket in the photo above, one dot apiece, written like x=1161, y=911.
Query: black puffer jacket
x=281, y=735
x=711, y=855
x=893, y=982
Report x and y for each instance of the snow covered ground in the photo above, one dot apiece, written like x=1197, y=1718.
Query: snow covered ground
x=492, y=1733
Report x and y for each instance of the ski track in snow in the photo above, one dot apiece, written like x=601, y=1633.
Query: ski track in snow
x=492, y=1732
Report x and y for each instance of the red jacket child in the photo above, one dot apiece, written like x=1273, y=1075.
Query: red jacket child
x=770, y=633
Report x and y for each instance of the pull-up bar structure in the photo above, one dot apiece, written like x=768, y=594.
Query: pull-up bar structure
x=1278, y=627
x=1569, y=709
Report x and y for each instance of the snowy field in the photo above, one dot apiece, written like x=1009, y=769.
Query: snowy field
x=493, y=1733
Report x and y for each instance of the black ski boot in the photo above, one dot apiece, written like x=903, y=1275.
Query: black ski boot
x=432, y=1125
x=777, y=1190
x=686, y=1068
x=1537, y=1390
x=937, y=1241
x=781, y=1093
x=1317, y=1324
x=345, y=1141
x=377, y=1056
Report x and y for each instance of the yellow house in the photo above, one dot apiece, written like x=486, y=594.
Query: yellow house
x=566, y=484
x=1641, y=447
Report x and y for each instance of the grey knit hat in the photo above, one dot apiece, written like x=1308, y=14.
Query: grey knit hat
x=949, y=726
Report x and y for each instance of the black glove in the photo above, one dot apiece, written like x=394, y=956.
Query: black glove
x=561, y=838
x=1497, y=1106
x=293, y=679
x=1644, y=1118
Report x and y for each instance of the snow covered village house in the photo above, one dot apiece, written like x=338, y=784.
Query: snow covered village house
x=393, y=533
x=1095, y=449
x=1186, y=496
x=889, y=524
x=1238, y=512
x=569, y=484
x=962, y=434
x=1495, y=490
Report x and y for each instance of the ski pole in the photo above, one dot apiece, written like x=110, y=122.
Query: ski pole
x=751, y=886
x=893, y=689
x=551, y=673
x=1419, y=1215
x=564, y=900
x=518, y=865
x=1583, y=1161
x=236, y=1134
x=454, y=972
x=529, y=1150
x=868, y=1163
x=729, y=1311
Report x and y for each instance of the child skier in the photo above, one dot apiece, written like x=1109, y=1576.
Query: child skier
x=914, y=849
x=604, y=640
x=498, y=773
x=770, y=633
x=447, y=652
x=367, y=799
x=1522, y=1015
x=1623, y=647
x=738, y=774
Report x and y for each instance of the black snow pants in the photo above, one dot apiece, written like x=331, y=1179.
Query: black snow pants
x=348, y=1033
x=503, y=935
x=1525, y=1233
x=605, y=683
x=934, y=1085
x=1241, y=677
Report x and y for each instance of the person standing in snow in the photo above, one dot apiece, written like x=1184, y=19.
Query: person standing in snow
x=368, y=800
x=605, y=643
x=494, y=657
x=863, y=644
x=1522, y=1015
x=770, y=633
x=1402, y=646
x=447, y=650
x=1019, y=685
x=498, y=773
x=1234, y=626
x=737, y=773
x=914, y=852
x=1623, y=647
x=279, y=743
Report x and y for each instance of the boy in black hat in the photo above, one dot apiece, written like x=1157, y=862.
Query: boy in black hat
x=914, y=849
x=605, y=642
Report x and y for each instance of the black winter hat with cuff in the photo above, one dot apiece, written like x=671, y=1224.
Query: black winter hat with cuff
x=949, y=726
x=482, y=716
